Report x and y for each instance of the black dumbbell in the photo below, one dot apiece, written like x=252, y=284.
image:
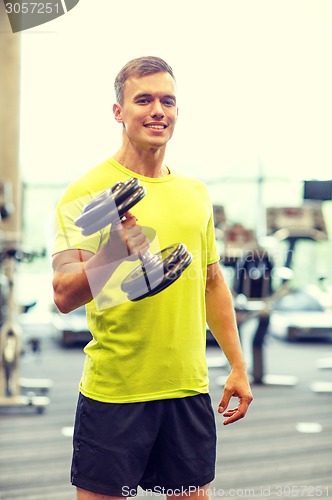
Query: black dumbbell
x=157, y=271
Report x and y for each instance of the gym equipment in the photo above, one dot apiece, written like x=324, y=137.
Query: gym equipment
x=253, y=274
x=292, y=224
x=255, y=296
x=253, y=299
x=157, y=271
x=305, y=312
x=237, y=241
x=15, y=391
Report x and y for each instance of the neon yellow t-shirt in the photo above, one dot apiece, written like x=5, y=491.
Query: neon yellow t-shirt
x=153, y=348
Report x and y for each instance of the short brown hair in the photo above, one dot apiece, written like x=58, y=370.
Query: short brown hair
x=139, y=67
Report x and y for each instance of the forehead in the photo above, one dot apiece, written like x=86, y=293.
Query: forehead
x=155, y=84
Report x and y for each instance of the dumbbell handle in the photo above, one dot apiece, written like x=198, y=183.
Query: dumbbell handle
x=147, y=258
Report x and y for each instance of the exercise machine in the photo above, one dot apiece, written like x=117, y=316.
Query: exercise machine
x=15, y=391
x=307, y=310
x=254, y=296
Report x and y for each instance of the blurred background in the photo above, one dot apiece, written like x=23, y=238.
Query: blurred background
x=255, y=120
x=254, y=97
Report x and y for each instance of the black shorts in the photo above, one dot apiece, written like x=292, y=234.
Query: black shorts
x=166, y=446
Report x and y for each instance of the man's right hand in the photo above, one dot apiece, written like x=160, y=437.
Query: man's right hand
x=127, y=239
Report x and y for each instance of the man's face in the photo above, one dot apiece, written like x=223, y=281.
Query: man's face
x=149, y=110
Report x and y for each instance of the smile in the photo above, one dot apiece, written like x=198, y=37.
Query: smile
x=156, y=127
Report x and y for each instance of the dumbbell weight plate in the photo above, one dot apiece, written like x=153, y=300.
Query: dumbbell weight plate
x=110, y=206
x=148, y=280
x=128, y=203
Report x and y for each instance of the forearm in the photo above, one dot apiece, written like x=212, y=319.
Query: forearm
x=221, y=320
x=77, y=283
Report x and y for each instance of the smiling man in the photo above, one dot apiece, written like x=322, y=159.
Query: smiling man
x=147, y=108
x=144, y=415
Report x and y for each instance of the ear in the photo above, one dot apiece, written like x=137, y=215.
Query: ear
x=117, y=112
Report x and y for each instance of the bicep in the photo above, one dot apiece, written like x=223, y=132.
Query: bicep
x=70, y=259
x=215, y=277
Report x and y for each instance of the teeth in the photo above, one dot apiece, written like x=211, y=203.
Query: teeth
x=158, y=127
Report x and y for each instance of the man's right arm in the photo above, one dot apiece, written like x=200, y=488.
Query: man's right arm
x=71, y=285
x=79, y=275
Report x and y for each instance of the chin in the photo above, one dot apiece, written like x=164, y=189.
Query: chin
x=156, y=144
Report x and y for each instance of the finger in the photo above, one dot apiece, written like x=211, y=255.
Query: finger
x=137, y=242
x=231, y=410
x=235, y=414
x=226, y=397
x=233, y=418
x=129, y=219
x=224, y=401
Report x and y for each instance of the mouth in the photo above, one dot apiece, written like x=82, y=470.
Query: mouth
x=155, y=126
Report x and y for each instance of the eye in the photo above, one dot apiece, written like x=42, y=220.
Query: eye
x=143, y=100
x=169, y=102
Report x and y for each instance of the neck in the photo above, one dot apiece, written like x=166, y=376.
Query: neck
x=147, y=163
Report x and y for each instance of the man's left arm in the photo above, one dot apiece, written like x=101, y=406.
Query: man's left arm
x=221, y=320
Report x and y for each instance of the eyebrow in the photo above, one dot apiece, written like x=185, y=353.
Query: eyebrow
x=144, y=95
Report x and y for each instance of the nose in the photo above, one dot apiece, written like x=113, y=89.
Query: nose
x=157, y=110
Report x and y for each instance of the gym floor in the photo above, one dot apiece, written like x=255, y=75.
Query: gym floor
x=282, y=449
